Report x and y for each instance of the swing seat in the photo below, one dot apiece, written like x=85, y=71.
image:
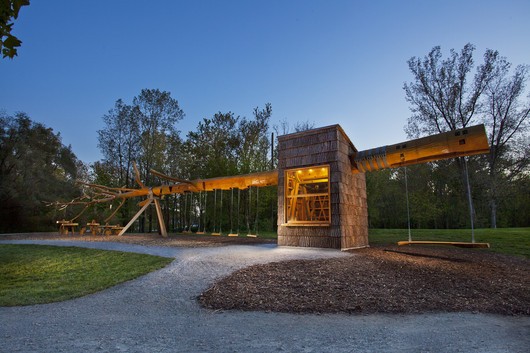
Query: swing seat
x=233, y=234
x=252, y=235
x=450, y=243
x=200, y=233
x=216, y=233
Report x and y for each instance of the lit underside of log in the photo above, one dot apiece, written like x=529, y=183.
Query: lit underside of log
x=456, y=143
x=259, y=179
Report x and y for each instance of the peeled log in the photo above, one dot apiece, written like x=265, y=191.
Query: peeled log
x=456, y=143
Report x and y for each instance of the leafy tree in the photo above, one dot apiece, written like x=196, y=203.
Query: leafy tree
x=157, y=114
x=386, y=200
x=35, y=169
x=144, y=132
x=254, y=148
x=213, y=148
x=446, y=96
x=441, y=97
x=119, y=142
x=507, y=120
x=9, y=10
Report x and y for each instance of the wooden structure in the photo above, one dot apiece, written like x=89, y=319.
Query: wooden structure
x=321, y=202
x=457, y=143
x=458, y=244
x=321, y=183
x=67, y=226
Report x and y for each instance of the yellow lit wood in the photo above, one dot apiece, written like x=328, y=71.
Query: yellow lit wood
x=451, y=243
x=457, y=143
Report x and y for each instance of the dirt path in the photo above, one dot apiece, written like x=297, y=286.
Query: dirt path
x=159, y=313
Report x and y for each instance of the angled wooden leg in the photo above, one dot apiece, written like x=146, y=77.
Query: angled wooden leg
x=136, y=216
x=160, y=216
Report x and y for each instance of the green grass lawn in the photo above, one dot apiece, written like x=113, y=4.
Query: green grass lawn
x=36, y=274
x=510, y=241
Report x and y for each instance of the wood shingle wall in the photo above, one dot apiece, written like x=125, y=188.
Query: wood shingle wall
x=349, y=215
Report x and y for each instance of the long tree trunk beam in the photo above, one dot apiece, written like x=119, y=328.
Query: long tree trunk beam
x=456, y=143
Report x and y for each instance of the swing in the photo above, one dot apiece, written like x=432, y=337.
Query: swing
x=250, y=234
x=205, y=209
x=459, y=244
x=215, y=212
x=200, y=213
x=192, y=212
x=232, y=234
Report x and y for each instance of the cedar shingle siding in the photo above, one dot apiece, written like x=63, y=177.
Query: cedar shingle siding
x=349, y=214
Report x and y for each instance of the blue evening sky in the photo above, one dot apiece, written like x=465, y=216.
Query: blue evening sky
x=325, y=61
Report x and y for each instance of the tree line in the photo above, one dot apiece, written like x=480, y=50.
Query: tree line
x=145, y=133
x=448, y=94
x=445, y=94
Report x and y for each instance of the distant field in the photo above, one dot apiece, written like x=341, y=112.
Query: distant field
x=511, y=241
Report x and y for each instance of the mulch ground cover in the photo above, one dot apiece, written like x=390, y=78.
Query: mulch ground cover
x=381, y=280
x=385, y=279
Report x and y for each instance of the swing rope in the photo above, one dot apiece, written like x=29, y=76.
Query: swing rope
x=205, y=209
x=256, y=219
x=215, y=213
x=185, y=222
x=232, y=234
x=200, y=214
x=191, y=211
x=430, y=242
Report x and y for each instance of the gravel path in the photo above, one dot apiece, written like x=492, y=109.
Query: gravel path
x=159, y=313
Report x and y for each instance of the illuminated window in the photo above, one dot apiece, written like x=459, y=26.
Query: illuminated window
x=307, y=196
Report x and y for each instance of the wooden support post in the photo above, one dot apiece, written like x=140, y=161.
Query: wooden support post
x=160, y=216
x=136, y=216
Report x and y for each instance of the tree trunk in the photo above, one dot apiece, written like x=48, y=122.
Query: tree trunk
x=493, y=208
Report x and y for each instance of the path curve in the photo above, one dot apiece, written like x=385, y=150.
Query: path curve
x=158, y=313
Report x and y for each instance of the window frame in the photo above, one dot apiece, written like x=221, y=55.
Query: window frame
x=288, y=198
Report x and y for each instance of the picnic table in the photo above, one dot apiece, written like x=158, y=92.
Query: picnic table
x=66, y=226
x=94, y=227
x=106, y=229
x=109, y=229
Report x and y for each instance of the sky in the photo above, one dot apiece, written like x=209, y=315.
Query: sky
x=326, y=62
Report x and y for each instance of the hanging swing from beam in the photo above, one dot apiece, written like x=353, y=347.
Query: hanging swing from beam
x=201, y=210
x=215, y=212
x=459, y=244
x=187, y=226
x=232, y=234
x=255, y=234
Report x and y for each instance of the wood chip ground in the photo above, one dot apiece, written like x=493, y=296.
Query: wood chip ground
x=390, y=279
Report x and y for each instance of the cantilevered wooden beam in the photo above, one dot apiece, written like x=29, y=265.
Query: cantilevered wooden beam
x=456, y=143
